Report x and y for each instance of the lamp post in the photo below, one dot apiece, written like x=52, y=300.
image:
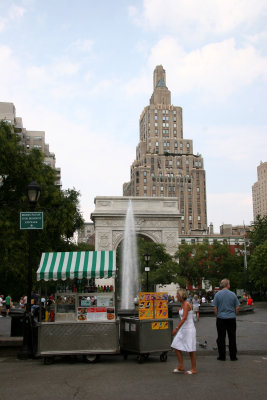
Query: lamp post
x=33, y=193
x=147, y=269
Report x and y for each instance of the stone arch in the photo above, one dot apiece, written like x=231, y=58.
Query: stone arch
x=155, y=218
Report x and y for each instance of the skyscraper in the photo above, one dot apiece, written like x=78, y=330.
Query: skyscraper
x=259, y=192
x=165, y=165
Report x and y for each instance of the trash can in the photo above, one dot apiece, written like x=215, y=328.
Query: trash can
x=17, y=324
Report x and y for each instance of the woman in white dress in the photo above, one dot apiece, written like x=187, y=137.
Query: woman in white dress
x=185, y=335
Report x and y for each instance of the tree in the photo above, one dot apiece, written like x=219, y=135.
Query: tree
x=163, y=269
x=209, y=262
x=62, y=216
x=258, y=235
x=257, y=262
x=189, y=263
x=257, y=268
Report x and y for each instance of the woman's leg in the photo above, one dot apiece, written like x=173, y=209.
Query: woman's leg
x=180, y=359
x=193, y=356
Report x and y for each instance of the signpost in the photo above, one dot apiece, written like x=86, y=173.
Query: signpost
x=31, y=220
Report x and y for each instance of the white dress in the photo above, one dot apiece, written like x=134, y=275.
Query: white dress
x=185, y=339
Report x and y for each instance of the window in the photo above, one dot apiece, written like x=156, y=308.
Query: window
x=157, y=144
x=181, y=145
x=144, y=173
x=198, y=218
x=174, y=125
x=156, y=117
x=144, y=180
x=161, y=188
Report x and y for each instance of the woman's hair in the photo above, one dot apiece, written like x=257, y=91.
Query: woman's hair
x=182, y=293
x=196, y=297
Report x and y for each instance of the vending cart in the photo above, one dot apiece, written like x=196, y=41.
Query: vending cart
x=84, y=319
x=150, y=332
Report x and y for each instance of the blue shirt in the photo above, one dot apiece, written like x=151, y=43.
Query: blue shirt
x=226, y=302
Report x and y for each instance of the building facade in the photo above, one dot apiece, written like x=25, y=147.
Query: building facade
x=165, y=164
x=259, y=192
x=29, y=139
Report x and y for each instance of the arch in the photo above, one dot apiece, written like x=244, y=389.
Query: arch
x=155, y=218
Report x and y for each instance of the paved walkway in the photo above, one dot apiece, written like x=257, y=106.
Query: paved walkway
x=251, y=332
x=116, y=378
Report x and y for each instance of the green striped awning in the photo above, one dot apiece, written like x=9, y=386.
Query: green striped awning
x=77, y=264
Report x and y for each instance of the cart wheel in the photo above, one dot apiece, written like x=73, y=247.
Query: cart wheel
x=140, y=358
x=163, y=357
x=91, y=358
x=48, y=360
x=146, y=356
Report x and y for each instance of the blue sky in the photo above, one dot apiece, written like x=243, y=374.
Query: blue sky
x=83, y=72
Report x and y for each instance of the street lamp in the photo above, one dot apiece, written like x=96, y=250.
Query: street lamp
x=147, y=269
x=33, y=193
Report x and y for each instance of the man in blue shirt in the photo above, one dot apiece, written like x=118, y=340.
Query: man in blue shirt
x=226, y=306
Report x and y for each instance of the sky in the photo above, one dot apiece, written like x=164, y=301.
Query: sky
x=82, y=71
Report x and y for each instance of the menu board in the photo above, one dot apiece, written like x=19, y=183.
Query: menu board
x=98, y=307
x=153, y=305
x=160, y=325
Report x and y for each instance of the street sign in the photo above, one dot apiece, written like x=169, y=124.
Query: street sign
x=31, y=220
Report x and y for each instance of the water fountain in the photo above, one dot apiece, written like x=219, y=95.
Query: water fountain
x=129, y=273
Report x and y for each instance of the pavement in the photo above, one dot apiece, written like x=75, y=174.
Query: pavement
x=115, y=378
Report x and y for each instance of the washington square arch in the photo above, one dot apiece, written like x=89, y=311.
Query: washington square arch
x=155, y=218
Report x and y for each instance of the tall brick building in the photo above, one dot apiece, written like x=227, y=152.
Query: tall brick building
x=165, y=164
x=259, y=192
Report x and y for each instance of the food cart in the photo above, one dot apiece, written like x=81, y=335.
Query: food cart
x=150, y=332
x=85, y=317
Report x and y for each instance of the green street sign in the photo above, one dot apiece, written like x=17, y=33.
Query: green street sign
x=31, y=220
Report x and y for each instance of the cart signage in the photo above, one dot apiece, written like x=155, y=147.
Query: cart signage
x=85, y=303
x=31, y=220
x=160, y=325
x=153, y=306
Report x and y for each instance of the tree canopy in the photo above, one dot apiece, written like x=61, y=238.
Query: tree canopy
x=257, y=263
x=62, y=216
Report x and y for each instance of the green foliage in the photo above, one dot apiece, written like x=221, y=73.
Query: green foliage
x=257, y=267
x=257, y=263
x=259, y=233
x=202, y=261
x=163, y=269
x=61, y=211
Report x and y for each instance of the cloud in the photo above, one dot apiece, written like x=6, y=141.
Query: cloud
x=89, y=160
x=14, y=13
x=214, y=71
x=64, y=67
x=85, y=45
x=235, y=208
x=198, y=18
x=235, y=144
